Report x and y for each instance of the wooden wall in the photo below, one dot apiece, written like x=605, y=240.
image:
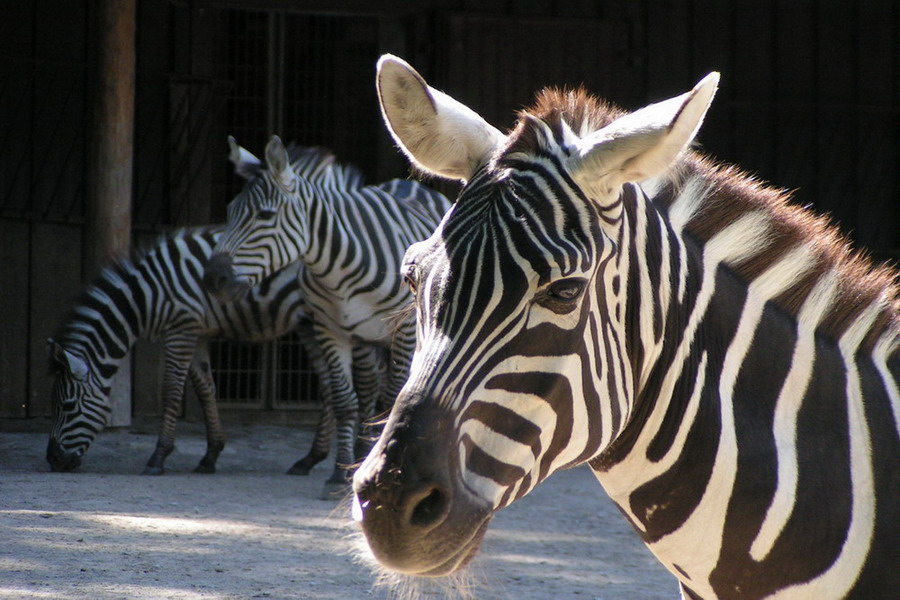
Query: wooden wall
x=47, y=50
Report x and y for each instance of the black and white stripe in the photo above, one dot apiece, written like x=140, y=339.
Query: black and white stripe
x=160, y=296
x=724, y=364
x=351, y=239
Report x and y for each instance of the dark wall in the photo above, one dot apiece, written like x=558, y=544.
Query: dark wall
x=47, y=50
x=809, y=99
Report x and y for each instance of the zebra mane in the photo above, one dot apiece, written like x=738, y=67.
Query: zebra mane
x=319, y=165
x=580, y=110
x=717, y=196
x=730, y=193
x=69, y=334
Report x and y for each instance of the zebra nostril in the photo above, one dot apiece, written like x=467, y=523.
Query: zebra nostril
x=431, y=506
x=213, y=280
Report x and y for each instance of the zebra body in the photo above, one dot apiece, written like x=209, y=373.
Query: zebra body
x=160, y=297
x=351, y=239
x=599, y=294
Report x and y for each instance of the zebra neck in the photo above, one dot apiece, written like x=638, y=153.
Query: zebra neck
x=668, y=285
x=748, y=396
x=330, y=238
x=107, y=320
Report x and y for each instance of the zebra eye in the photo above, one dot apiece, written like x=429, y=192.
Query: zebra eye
x=560, y=296
x=265, y=214
x=566, y=289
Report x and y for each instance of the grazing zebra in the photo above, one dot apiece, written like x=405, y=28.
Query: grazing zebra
x=306, y=207
x=160, y=296
x=598, y=294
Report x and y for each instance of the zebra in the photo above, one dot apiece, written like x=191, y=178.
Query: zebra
x=304, y=206
x=600, y=293
x=159, y=295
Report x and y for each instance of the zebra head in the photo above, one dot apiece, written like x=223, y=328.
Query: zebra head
x=520, y=303
x=261, y=237
x=80, y=408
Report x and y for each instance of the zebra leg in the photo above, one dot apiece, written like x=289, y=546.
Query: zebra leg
x=178, y=353
x=338, y=358
x=369, y=377
x=321, y=442
x=202, y=378
x=321, y=445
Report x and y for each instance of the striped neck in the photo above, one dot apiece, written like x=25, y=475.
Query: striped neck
x=106, y=321
x=749, y=376
x=325, y=240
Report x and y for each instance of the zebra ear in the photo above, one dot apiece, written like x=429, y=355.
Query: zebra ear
x=279, y=163
x=438, y=134
x=245, y=164
x=642, y=144
x=73, y=364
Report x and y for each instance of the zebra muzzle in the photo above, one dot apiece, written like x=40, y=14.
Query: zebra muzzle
x=417, y=515
x=60, y=460
x=220, y=280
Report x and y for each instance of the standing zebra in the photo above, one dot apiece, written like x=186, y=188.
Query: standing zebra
x=160, y=296
x=598, y=294
x=351, y=238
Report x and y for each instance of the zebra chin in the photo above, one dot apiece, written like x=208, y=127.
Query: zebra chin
x=435, y=552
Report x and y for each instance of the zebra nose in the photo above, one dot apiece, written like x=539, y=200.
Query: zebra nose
x=219, y=272
x=420, y=506
x=411, y=489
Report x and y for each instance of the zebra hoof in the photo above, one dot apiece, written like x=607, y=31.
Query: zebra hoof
x=300, y=468
x=205, y=469
x=150, y=470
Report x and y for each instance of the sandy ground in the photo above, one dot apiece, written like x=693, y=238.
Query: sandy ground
x=250, y=531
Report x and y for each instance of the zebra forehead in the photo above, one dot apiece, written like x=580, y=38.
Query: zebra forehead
x=261, y=191
x=557, y=109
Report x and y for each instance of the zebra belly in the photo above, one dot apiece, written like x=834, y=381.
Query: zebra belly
x=370, y=331
x=356, y=320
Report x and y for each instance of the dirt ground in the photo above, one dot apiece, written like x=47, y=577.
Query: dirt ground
x=250, y=531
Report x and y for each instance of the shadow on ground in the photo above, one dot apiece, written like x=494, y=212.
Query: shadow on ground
x=250, y=531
